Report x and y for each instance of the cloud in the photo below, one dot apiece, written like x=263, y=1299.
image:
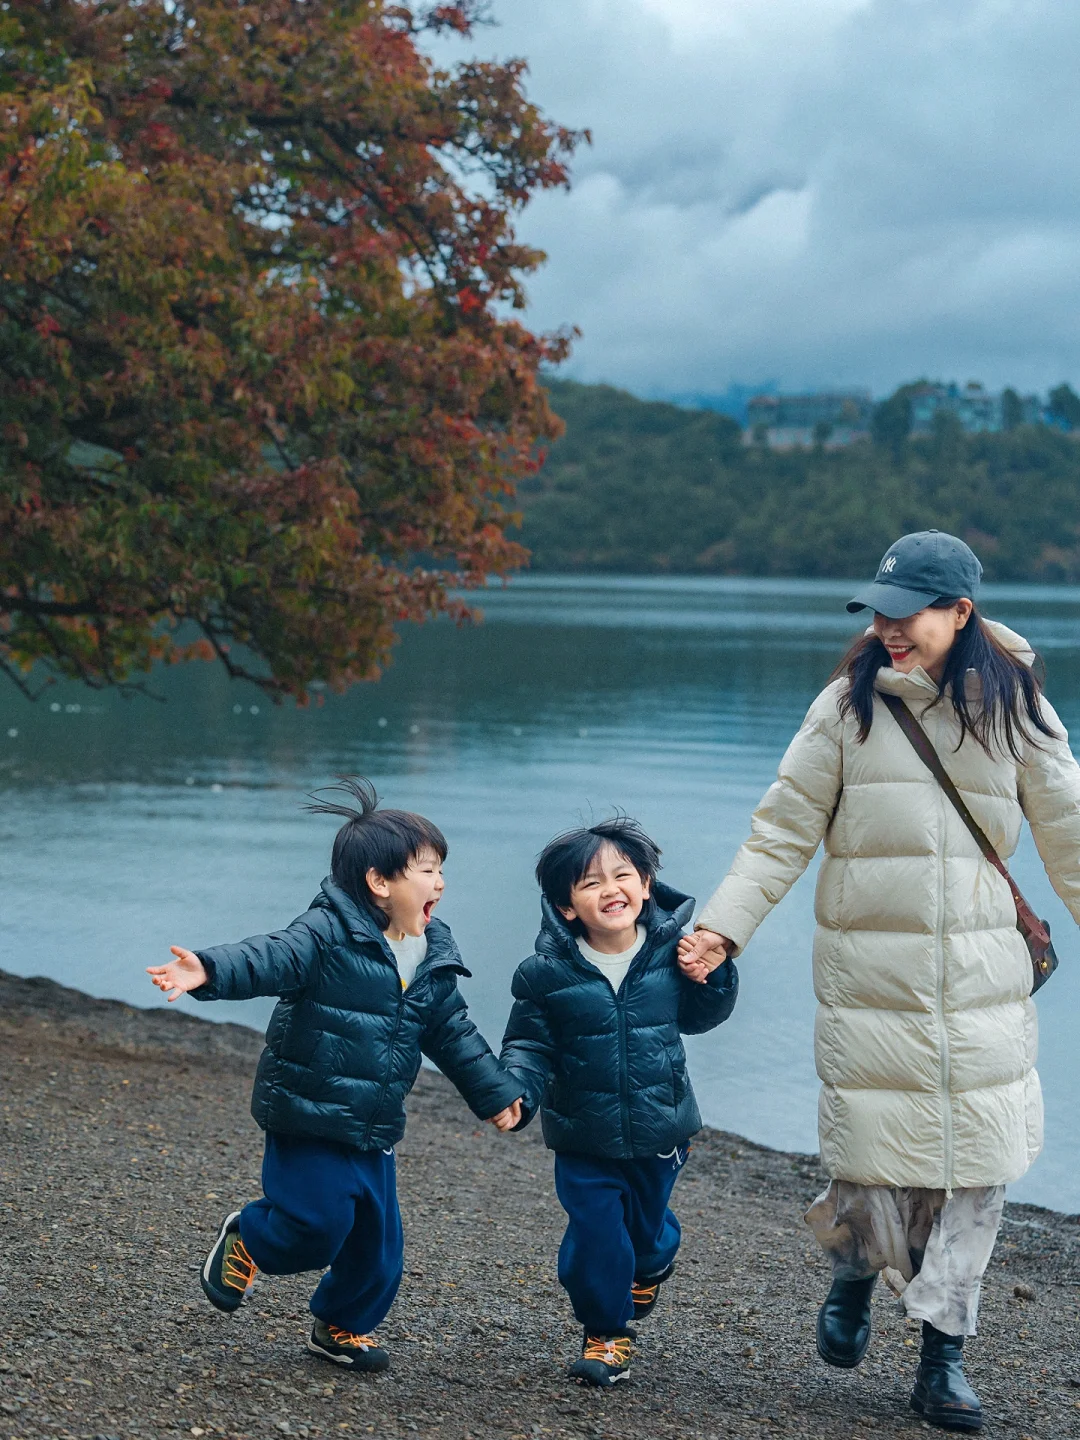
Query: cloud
x=825, y=191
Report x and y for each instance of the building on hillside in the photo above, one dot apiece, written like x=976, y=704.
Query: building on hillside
x=978, y=410
x=831, y=418
x=837, y=418
x=1032, y=410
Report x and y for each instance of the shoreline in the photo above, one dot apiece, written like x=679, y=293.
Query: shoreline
x=126, y=1136
x=39, y=993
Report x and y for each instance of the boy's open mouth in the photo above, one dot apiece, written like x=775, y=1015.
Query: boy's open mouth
x=428, y=908
x=616, y=907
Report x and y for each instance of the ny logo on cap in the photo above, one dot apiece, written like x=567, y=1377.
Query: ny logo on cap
x=889, y=565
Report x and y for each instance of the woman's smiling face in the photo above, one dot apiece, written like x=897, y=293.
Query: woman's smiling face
x=923, y=639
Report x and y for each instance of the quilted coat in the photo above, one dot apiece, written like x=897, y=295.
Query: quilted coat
x=344, y=1044
x=608, y=1071
x=926, y=1035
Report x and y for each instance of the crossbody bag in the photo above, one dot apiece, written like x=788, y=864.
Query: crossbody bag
x=1036, y=932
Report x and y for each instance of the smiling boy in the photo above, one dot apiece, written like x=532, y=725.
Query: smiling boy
x=594, y=1042
x=368, y=983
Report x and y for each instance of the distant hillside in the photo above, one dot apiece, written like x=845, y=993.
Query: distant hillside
x=641, y=487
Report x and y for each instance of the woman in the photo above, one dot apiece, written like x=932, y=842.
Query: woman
x=926, y=1033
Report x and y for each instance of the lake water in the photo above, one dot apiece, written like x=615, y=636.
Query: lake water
x=130, y=825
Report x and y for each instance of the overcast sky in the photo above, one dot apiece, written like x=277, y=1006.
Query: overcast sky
x=816, y=192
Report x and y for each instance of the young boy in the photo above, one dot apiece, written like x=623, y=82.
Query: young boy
x=368, y=983
x=593, y=1041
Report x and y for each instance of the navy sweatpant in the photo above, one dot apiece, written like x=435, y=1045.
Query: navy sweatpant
x=620, y=1230
x=329, y=1204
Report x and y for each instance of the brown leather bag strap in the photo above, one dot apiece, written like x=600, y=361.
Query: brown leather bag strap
x=923, y=747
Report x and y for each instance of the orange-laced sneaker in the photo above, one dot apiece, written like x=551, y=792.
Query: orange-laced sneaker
x=345, y=1347
x=238, y=1268
x=604, y=1358
x=644, y=1297
x=229, y=1271
x=645, y=1292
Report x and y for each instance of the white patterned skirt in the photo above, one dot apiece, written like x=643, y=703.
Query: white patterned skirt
x=932, y=1247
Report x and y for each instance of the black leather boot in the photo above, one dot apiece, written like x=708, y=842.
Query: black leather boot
x=942, y=1394
x=843, y=1322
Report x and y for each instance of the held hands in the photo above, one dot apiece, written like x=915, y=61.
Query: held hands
x=508, y=1118
x=702, y=952
x=185, y=973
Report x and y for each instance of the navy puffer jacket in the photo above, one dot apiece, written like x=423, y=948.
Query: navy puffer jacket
x=608, y=1071
x=343, y=1047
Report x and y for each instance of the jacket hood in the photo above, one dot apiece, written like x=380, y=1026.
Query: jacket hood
x=362, y=925
x=1011, y=641
x=663, y=915
x=357, y=919
x=892, y=682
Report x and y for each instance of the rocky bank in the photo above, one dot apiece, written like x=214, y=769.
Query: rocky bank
x=125, y=1136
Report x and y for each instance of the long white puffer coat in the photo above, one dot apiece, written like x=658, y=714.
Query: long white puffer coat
x=926, y=1035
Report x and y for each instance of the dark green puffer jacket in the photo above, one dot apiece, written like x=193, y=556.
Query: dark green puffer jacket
x=343, y=1047
x=607, y=1071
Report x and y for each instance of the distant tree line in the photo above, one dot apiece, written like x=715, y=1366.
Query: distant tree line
x=641, y=487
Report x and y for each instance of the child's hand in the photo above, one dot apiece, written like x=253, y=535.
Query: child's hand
x=185, y=973
x=694, y=970
x=508, y=1118
x=701, y=953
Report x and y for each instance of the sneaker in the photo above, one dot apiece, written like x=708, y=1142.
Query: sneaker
x=229, y=1272
x=605, y=1359
x=361, y=1352
x=645, y=1293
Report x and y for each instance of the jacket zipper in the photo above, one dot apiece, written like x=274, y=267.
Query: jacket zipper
x=389, y=1064
x=624, y=1078
x=624, y=1075
x=945, y=1060
x=428, y=971
x=576, y=958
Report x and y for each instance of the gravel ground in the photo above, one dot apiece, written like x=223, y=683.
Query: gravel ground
x=126, y=1137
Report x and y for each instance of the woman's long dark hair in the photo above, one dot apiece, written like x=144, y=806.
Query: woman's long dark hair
x=1006, y=712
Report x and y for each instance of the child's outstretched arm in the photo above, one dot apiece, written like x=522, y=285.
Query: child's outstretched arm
x=708, y=993
x=528, y=1048
x=453, y=1042
x=275, y=964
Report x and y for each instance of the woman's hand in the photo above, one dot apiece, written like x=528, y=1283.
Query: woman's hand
x=185, y=973
x=508, y=1118
x=702, y=952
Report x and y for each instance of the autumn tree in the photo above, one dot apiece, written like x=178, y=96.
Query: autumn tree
x=264, y=386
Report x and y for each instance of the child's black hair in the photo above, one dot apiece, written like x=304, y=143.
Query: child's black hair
x=372, y=839
x=564, y=860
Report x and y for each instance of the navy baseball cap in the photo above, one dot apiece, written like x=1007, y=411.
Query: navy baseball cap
x=918, y=569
